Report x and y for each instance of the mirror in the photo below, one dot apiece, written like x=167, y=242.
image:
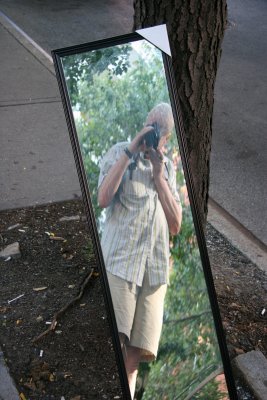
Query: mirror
x=127, y=137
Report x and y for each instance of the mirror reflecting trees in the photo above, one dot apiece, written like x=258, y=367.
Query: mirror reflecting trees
x=112, y=91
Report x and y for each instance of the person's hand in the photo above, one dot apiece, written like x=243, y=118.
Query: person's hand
x=156, y=157
x=137, y=143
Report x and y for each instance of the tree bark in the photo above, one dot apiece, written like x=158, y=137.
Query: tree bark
x=195, y=31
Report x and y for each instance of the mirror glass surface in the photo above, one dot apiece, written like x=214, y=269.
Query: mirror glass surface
x=111, y=91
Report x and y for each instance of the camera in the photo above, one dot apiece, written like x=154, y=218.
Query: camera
x=151, y=138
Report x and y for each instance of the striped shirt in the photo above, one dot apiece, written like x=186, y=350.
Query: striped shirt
x=136, y=235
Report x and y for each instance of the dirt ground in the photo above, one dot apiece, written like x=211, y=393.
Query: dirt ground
x=77, y=361
x=241, y=289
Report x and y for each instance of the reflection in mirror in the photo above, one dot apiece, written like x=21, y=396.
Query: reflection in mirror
x=121, y=107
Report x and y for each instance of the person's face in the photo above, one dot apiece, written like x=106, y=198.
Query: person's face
x=163, y=140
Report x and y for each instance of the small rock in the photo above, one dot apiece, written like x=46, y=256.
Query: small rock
x=40, y=289
x=71, y=218
x=81, y=347
x=13, y=227
x=12, y=250
x=57, y=238
x=39, y=318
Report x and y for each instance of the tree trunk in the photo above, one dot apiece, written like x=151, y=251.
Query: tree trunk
x=195, y=31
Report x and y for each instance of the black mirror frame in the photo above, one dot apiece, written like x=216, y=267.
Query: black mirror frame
x=174, y=99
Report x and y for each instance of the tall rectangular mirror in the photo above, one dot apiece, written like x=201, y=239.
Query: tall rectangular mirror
x=122, y=111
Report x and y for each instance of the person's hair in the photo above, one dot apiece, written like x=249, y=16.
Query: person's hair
x=162, y=115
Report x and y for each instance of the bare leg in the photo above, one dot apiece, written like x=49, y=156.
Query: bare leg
x=132, y=360
x=131, y=356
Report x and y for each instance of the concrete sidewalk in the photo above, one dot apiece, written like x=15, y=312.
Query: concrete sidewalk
x=8, y=390
x=33, y=129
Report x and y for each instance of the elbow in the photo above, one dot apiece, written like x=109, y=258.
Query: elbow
x=104, y=197
x=175, y=228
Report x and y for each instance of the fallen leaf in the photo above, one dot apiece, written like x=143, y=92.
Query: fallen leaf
x=67, y=256
x=239, y=351
x=176, y=370
x=235, y=305
x=52, y=377
x=30, y=385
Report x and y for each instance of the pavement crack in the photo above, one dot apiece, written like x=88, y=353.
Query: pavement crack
x=29, y=102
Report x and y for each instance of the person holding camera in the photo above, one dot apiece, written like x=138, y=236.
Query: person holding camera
x=137, y=186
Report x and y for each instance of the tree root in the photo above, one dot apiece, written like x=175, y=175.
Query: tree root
x=65, y=308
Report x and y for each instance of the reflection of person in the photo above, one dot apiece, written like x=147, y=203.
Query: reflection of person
x=137, y=185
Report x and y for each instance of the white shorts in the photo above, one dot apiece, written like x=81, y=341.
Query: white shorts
x=139, y=313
